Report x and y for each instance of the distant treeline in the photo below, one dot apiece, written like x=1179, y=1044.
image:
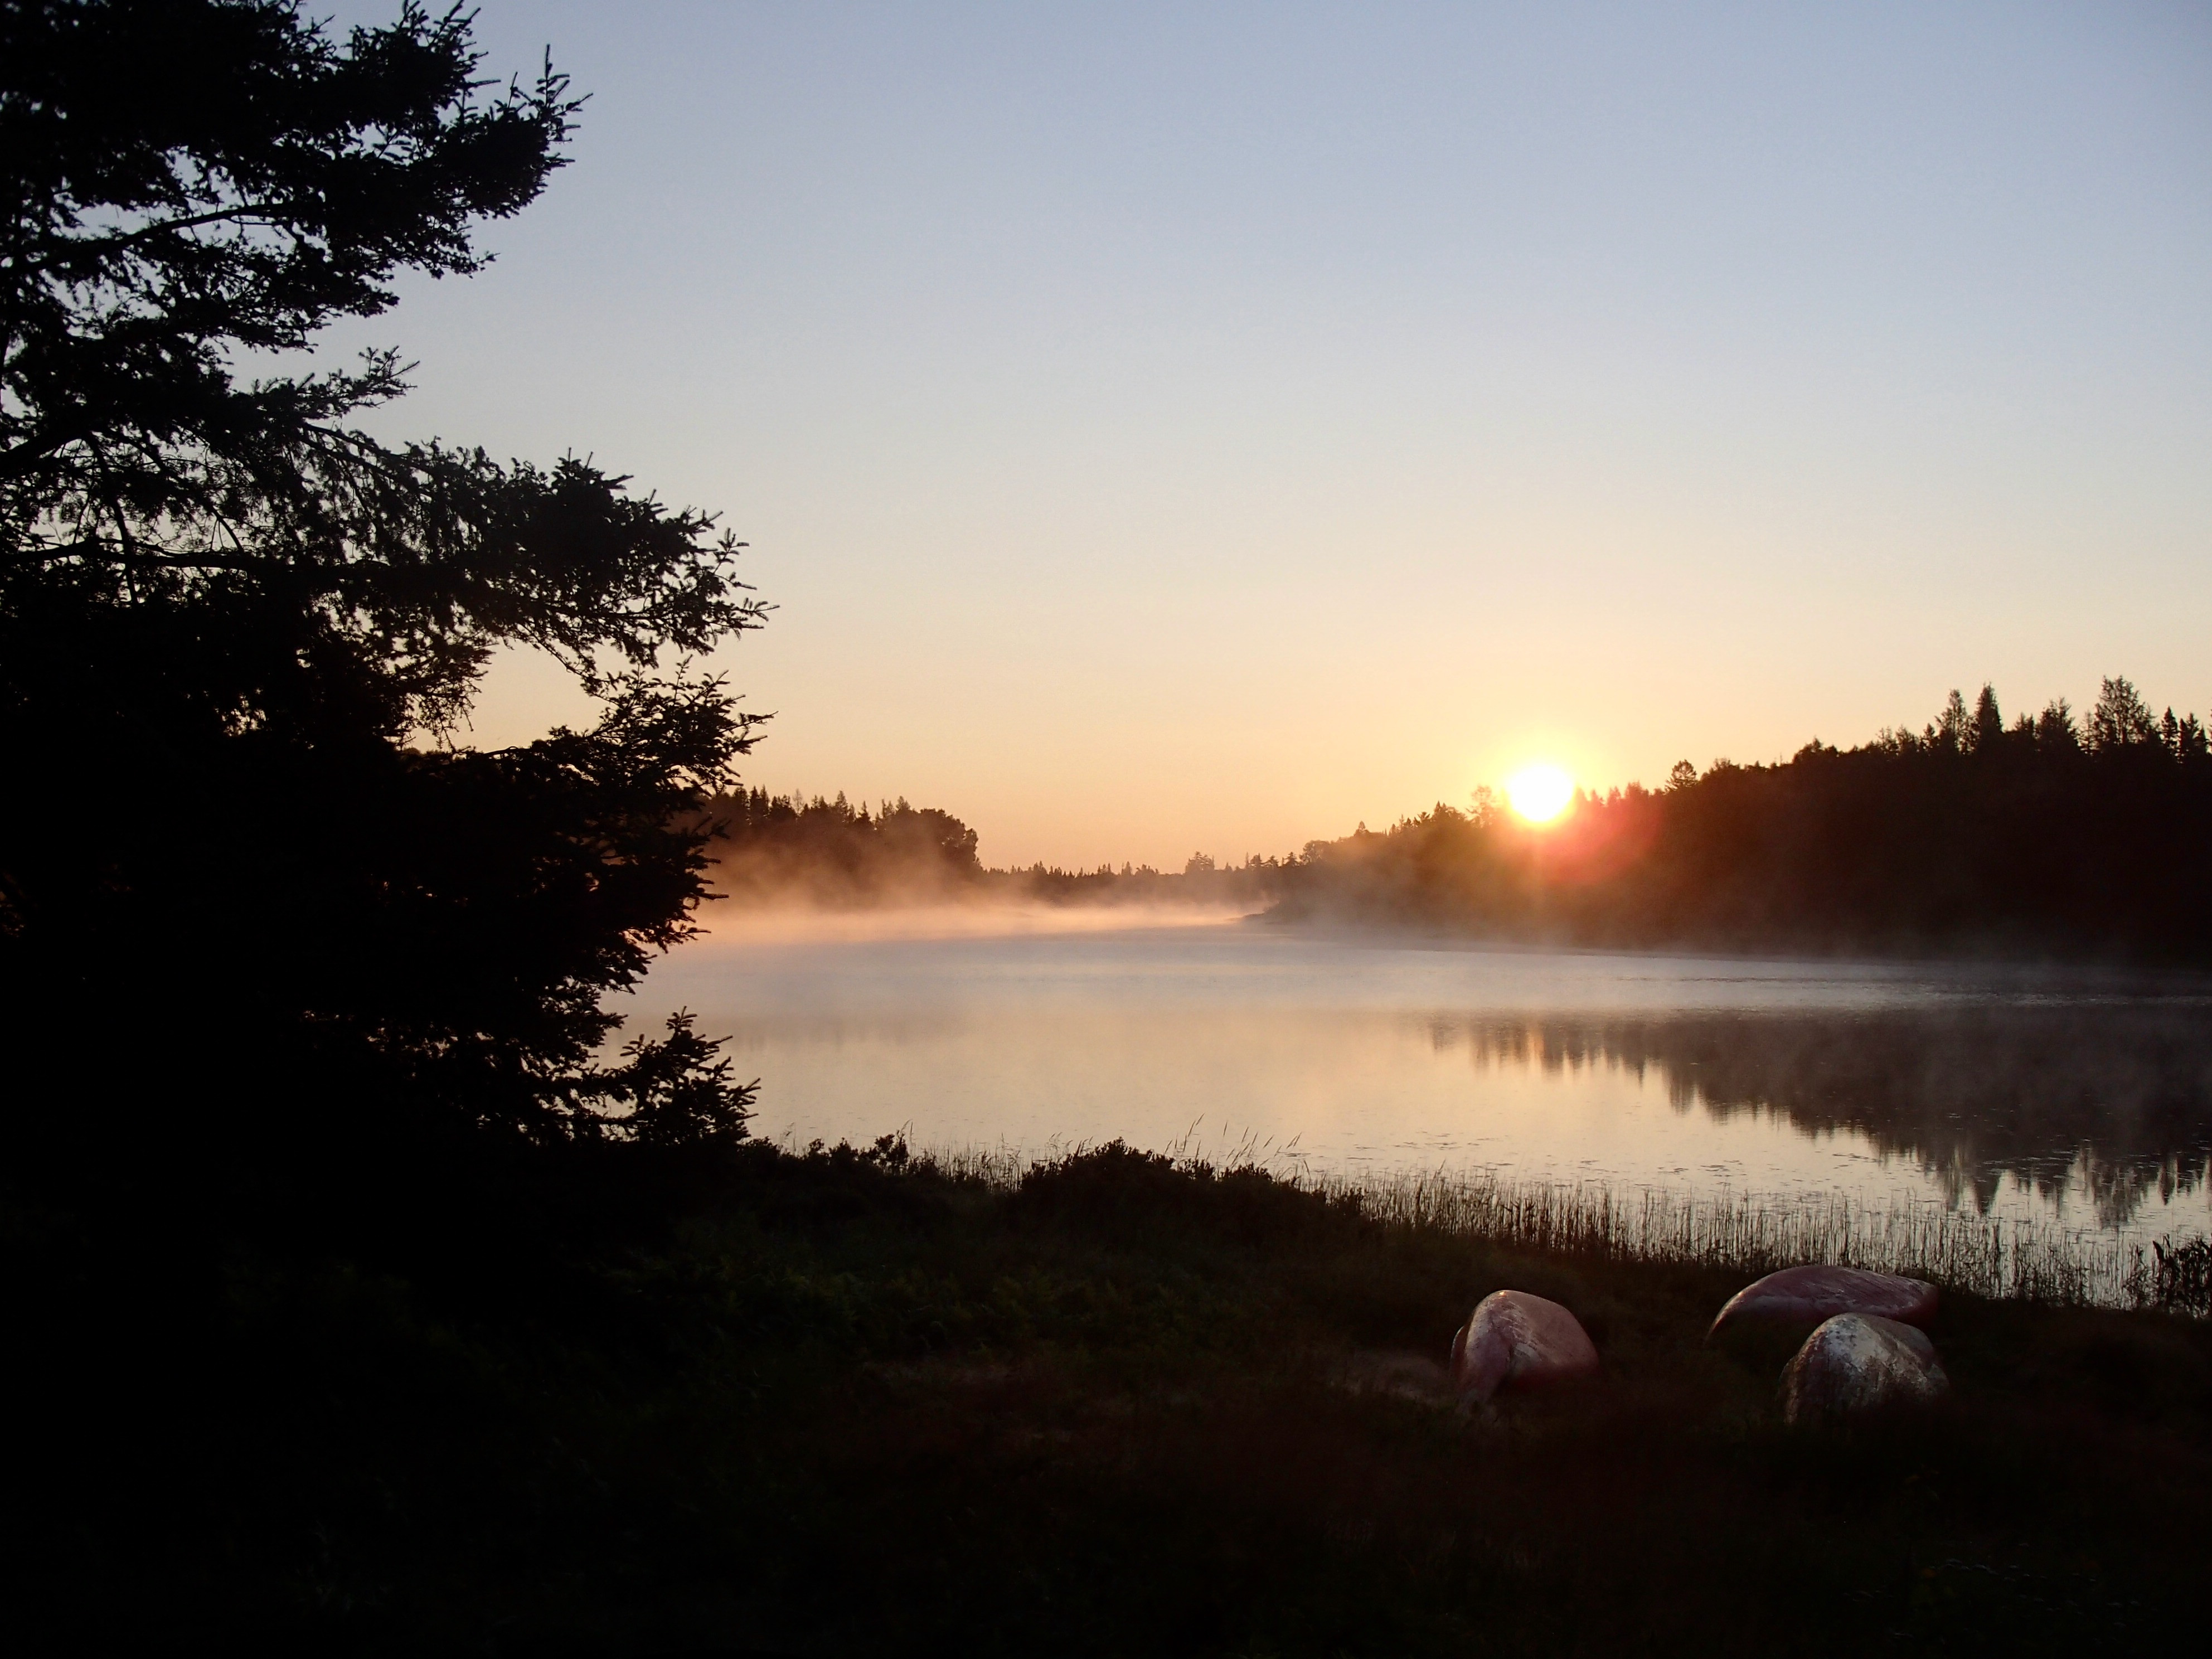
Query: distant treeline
x=832, y=853
x=2047, y=836
x=783, y=848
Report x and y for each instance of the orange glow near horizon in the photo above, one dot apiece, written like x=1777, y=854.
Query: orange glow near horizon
x=1540, y=793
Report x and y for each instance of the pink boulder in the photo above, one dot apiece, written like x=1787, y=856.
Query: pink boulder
x=1806, y=1295
x=1516, y=1341
x=1858, y=1363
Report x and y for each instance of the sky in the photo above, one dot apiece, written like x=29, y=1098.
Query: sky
x=1209, y=426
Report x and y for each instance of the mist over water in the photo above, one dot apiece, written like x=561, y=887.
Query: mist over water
x=2079, y=1097
x=732, y=925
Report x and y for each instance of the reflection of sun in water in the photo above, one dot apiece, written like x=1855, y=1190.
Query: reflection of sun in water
x=1540, y=793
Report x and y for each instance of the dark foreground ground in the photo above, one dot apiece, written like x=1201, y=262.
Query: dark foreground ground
x=848, y=1406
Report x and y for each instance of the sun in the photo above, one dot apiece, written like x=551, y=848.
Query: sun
x=1540, y=793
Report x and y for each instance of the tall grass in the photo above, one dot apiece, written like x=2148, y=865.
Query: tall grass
x=1984, y=1256
x=2010, y=1257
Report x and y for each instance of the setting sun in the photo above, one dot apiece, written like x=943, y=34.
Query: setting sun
x=1540, y=793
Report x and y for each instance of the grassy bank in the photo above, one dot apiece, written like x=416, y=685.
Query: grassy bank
x=848, y=1403
x=1990, y=1256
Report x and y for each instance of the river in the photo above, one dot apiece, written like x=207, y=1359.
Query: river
x=2082, y=1098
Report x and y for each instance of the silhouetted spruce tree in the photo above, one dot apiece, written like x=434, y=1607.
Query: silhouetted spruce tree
x=251, y=895
x=1953, y=730
x=2121, y=721
x=1988, y=730
x=2055, y=733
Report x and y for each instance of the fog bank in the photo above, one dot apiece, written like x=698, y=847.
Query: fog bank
x=731, y=924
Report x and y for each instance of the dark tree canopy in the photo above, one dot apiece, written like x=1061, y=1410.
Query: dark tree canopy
x=237, y=635
x=2037, y=838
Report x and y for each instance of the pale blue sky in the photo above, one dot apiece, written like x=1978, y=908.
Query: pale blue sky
x=1207, y=427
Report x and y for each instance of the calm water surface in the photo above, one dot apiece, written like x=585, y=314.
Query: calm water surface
x=2083, y=1098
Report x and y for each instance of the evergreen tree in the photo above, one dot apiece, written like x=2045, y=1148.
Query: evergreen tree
x=2121, y=721
x=1988, y=729
x=1953, y=731
x=272, y=625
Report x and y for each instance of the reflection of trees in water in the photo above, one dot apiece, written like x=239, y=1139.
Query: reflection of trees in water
x=2076, y=1102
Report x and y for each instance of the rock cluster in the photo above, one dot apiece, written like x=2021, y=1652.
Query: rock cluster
x=1864, y=1354
x=1516, y=1340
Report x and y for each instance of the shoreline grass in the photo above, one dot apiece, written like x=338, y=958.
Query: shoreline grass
x=2002, y=1258
x=844, y=1401
x=1998, y=1257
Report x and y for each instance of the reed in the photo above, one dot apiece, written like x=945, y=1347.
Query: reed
x=2001, y=1257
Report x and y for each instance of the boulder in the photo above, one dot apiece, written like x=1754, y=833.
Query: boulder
x=1806, y=1295
x=1858, y=1363
x=1516, y=1341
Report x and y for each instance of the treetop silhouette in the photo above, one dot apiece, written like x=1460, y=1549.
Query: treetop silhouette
x=2037, y=837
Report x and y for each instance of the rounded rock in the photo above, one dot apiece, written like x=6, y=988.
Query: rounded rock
x=1516, y=1340
x=1860, y=1363
x=1806, y=1295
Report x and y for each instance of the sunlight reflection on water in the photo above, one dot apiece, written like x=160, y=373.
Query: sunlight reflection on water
x=2086, y=1098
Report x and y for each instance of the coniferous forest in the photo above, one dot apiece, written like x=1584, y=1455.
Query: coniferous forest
x=2047, y=837
x=2044, y=836
x=789, y=849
